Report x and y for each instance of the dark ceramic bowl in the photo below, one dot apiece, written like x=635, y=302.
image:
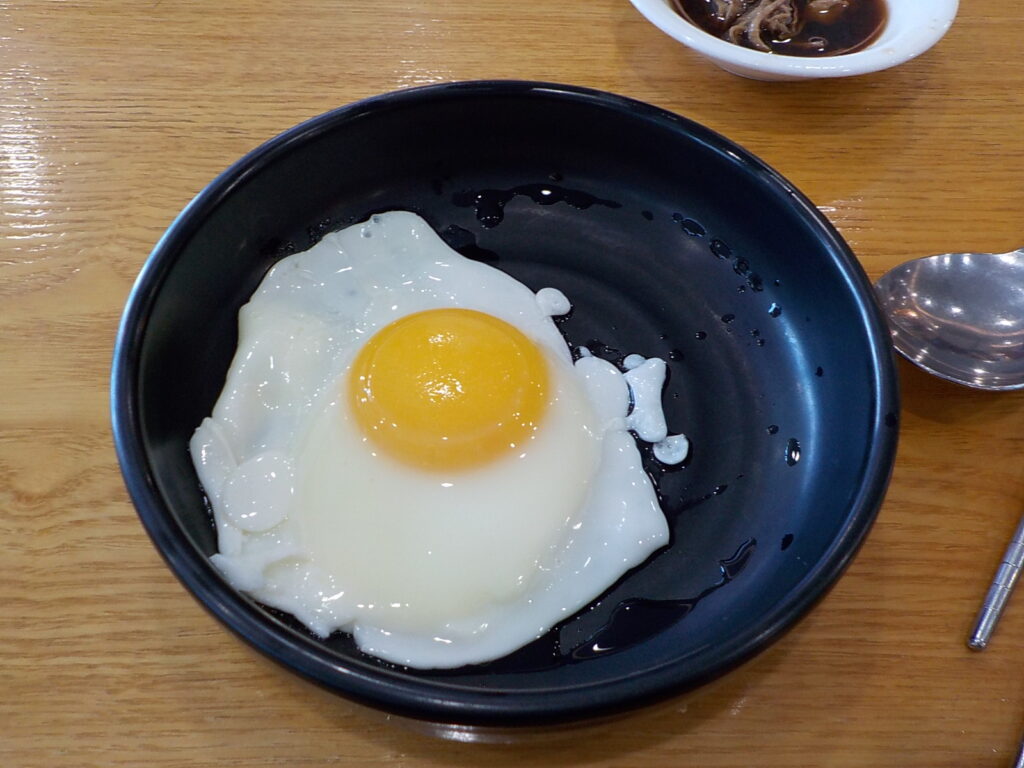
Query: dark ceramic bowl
x=670, y=241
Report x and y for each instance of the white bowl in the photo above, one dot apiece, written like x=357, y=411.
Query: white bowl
x=912, y=28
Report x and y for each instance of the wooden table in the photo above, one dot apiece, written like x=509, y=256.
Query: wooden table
x=114, y=114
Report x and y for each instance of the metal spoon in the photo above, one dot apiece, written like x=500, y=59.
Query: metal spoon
x=960, y=316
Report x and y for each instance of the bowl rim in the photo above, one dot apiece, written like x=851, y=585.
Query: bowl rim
x=404, y=693
x=912, y=29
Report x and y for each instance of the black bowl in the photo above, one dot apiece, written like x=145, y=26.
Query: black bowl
x=670, y=241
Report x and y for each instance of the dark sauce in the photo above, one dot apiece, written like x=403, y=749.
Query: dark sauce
x=816, y=28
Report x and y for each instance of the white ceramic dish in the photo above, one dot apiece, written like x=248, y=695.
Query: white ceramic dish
x=912, y=28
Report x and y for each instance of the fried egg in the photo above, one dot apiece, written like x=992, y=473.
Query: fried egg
x=405, y=450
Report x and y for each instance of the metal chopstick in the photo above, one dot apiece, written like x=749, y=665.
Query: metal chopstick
x=999, y=592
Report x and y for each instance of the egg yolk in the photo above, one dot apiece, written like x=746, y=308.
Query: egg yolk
x=448, y=388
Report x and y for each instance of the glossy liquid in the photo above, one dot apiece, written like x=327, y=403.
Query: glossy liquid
x=489, y=204
x=636, y=620
x=821, y=29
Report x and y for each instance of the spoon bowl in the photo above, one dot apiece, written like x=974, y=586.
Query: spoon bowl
x=960, y=316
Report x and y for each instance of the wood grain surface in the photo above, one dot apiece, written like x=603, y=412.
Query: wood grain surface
x=114, y=114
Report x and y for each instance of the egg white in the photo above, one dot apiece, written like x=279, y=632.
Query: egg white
x=427, y=569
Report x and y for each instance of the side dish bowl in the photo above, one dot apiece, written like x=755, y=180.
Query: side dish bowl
x=911, y=29
x=781, y=371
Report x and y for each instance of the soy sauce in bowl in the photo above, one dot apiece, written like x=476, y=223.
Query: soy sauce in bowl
x=790, y=27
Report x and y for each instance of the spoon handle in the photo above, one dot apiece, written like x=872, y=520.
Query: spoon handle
x=999, y=592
